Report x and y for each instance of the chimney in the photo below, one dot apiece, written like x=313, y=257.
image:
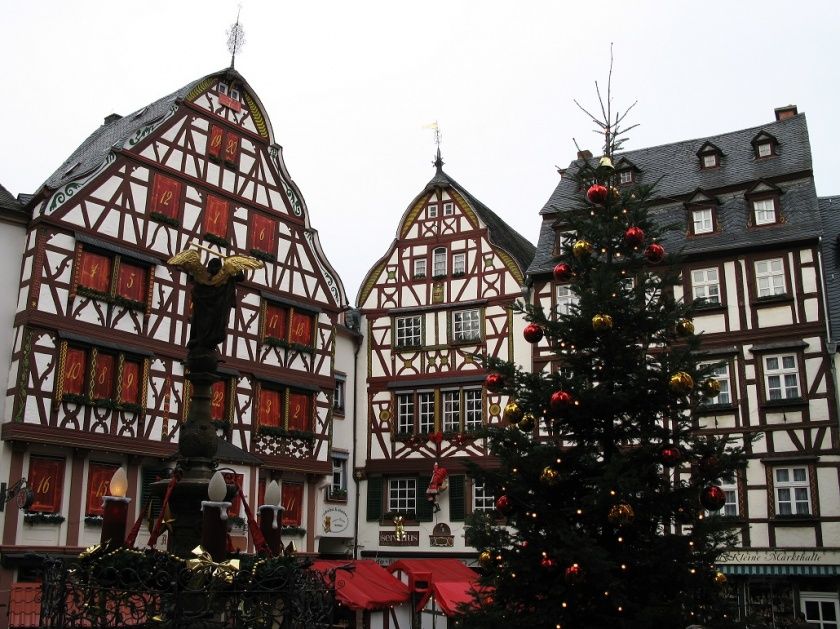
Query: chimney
x=111, y=118
x=788, y=111
x=584, y=154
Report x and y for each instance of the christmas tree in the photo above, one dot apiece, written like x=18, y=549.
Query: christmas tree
x=608, y=490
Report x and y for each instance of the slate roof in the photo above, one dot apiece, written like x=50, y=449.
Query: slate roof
x=8, y=200
x=830, y=246
x=501, y=234
x=675, y=169
x=91, y=153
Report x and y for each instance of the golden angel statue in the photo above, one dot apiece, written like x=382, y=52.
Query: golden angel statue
x=213, y=295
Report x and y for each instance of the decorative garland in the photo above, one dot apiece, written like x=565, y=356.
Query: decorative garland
x=163, y=218
x=282, y=433
x=36, y=517
x=263, y=255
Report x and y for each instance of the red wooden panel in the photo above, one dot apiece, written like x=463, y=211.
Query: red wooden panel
x=216, y=216
x=218, y=400
x=130, y=385
x=275, y=321
x=260, y=492
x=231, y=148
x=131, y=282
x=299, y=411
x=270, y=407
x=230, y=103
x=166, y=196
x=103, y=377
x=95, y=271
x=292, y=502
x=99, y=478
x=46, y=478
x=214, y=146
x=262, y=233
x=232, y=478
x=301, y=328
x=75, y=365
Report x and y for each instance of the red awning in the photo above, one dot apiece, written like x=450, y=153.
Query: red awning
x=366, y=586
x=450, y=581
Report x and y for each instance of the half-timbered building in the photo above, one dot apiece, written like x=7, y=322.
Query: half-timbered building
x=102, y=323
x=751, y=264
x=436, y=302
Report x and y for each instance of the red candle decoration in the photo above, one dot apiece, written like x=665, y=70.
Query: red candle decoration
x=560, y=400
x=597, y=193
x=655, y=253
x=634, y=236
x=533, y=333
x=494, y=382
x=115, y=511
x=562, y=272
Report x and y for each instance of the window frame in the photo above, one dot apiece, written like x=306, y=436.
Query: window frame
x=338, y=491
x=725, y=380
x=459, y=259
x=791, y=485
x=432, y=210
x=715, y=155
x=781, y=372
x=338, y=405
x=57, y=494
x=769, y=274
x=754, y=210
x=448, y=208
x=439, y=262
x=703, y=301
x=469, y=328
x=628, y=174
x=392, y=501
x=285, y=393
x=292, y=314
x=712, y=219
x=759, y=146
x=563, y=303
x=488, y=502
x=117, y=262
x=417, y=272
x=88, y=386
x=401, y=340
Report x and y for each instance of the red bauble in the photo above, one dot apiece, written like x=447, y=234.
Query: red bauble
x=597, y=193
x=573, y=573
x=502, y=503
x=655, y=253
x=533, y=333
x=634, y=236
x=560, y=400
x=713, y=498
x=562, y=272
x=670, y=456
x=547, y=563
x=494, y=382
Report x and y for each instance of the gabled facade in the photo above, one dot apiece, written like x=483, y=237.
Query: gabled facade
x=101, y=323
x=435, y=302
x=752, y=266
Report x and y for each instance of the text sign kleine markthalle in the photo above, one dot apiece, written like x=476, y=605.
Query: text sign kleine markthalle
x=389, y=538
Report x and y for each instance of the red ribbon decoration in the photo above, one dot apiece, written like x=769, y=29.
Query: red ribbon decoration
x=159, y=522
x=256, y=534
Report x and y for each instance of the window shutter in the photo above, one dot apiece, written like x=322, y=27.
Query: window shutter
x=457, y=506
x=425, y=507
x=374, y=499
x=149, y=476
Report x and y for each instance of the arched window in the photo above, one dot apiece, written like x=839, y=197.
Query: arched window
x=439, y=262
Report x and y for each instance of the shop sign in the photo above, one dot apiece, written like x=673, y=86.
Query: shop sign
x=407, y=538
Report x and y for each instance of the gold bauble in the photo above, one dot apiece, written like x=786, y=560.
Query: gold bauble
x=615, y=195
x=601, y=322
x=710, y=387
x=549, y=475
x=513, y=413
x=685, y=327
x=581, y=248
x=621, y=514
x=528, y=422
x=485, y=558
x=720, y=578
x=681, y=383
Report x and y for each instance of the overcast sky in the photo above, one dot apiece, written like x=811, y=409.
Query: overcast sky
x=349, y=86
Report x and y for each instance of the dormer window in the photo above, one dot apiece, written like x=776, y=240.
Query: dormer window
x=710, y=160
x=702, y=216
x=764, y=211
x=625, y=177
x=764, y=203
x=626, y=171
x=764, y=145
x=702, y=220
x=710, y=156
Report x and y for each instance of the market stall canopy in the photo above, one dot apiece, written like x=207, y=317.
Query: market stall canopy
x=364, y=584
x=450, y=581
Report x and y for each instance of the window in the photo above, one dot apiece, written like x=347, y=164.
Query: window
x=402, y=495
x=409, y=331
x=566, y=298
x=781, y=377
x=426, y=418
x=262, y=235
x=292, y=503
x=270, y=408
x=286, y=326
x=482, y=498
x=793, y=492
x=338, y=488
x=822, y=609
x=472, y=409
x=721, y=374
x=431, y=210
x=46, y=479
x=764, y=211
x=705, y=286
x=448, y=209
x=709, y=160
x=234, y=94
x=216, y=213
x=764, y=149
x=99, y=478
x=451, y=411
x=702, y=221
x=219, y=400
x=770, y=277
x=93, y=376
x=112, y=277
x=625, y=177
x=284, y=408
x=165, y=201
x=338, y=397
x=419, y=268
x=300, y=411
x=439, y=262
x=459, y=263
x=466, y=325
x=462, y=410
x=223, y=88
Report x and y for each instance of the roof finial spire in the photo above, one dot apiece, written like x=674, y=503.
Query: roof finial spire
x=236, y=37
x=438, y=163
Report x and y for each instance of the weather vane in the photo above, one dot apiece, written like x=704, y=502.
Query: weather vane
x=236, y=37
x=436, y=128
